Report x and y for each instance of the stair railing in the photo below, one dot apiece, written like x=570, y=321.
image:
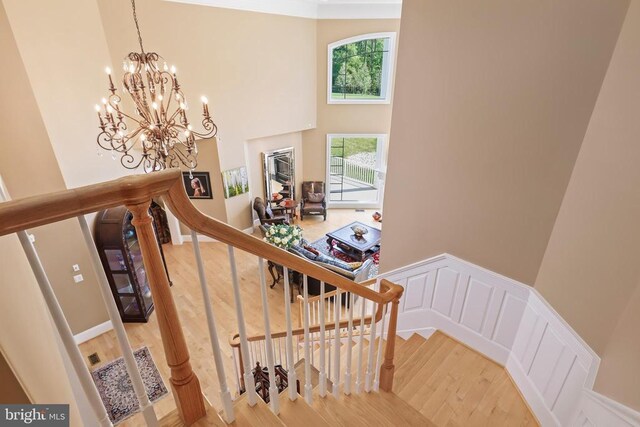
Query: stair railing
x=136, y=193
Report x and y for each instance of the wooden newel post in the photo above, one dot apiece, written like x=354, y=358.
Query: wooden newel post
x=388, y=368
x=184, y=382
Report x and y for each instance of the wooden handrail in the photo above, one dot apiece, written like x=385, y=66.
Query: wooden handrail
x=34, y=211
x=132, y=190
x=235, y=342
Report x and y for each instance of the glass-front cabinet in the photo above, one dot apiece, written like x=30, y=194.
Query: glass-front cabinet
x=119, y=251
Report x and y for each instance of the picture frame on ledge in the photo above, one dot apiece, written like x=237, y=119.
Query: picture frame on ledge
x=197, y=185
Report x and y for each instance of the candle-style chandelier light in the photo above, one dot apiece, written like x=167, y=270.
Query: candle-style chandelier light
x=161, y=136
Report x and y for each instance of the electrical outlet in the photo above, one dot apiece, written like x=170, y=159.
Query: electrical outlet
x=76, y=267
x=78, y=278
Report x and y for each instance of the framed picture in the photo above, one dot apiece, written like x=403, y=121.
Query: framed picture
x=235, y=182
x=197, y=184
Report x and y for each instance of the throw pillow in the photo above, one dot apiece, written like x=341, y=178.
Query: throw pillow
x=268, y=212
x=315, y=197
x=311, y=249
x=302, y=252
x=333, y=261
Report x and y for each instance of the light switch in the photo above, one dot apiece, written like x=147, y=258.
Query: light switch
x=76, y=267
x=32, y=238
x=78, y=278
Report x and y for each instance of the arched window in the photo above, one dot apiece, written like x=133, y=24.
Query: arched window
x=359, y=70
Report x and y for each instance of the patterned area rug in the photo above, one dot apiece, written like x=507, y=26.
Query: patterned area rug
x=116, y=390
x=322, y=246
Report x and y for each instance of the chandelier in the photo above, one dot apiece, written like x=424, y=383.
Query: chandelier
x=160, y=136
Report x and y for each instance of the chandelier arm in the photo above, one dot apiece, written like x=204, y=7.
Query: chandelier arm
x=128, y=161
x=119, y=111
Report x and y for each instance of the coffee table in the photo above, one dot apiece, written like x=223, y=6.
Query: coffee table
x=349, y=244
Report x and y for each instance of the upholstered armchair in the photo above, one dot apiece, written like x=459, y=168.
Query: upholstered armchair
x=268, y=216
x=313, y=199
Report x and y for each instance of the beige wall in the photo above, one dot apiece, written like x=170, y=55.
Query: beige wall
x=619, y=374
x=492, y=101
x=27, y=339
x=257, y=70
x=341, y=118
x=590, y=271
x=65, y=60
x=28, y=167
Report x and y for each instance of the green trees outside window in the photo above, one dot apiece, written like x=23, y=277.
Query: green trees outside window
x=358, y=69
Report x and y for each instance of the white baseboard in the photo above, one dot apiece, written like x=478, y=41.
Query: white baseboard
x=512, y=324
x=91, y=333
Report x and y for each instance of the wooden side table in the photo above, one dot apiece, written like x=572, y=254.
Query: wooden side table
x=289, y=206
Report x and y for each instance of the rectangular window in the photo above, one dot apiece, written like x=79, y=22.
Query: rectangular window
x=355, y=165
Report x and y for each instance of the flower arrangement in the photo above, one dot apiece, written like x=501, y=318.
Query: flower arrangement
x=284, y=236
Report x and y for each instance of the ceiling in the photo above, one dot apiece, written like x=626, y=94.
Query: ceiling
x=316, y=9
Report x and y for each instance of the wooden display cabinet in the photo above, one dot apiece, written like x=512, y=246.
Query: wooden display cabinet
x=121, y=258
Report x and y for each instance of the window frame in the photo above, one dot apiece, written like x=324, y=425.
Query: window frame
x=386, y=85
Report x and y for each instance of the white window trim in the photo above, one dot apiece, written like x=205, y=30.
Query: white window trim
x=387, y=72
x=381, y=160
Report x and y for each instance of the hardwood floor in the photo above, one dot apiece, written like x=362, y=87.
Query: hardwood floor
x=445, y=381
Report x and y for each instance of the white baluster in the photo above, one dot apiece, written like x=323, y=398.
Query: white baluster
x=329, y=342
x=225, y=395
x=274, y=400
x=363, y=302
x=336, y=357
x=376, y=383
x=368, y=382
x=307, y=350
x=291, y=376
x=236, y=368
x=87, y=384
x=249, y=381
x=322, y=380
x=121, y=335
x=347, y=372
x=280, y=359
x=312, y=315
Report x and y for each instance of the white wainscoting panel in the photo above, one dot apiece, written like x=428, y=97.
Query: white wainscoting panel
x=598, y=410
x=512, y=324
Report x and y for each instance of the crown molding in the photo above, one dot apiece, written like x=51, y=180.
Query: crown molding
x=331, y=9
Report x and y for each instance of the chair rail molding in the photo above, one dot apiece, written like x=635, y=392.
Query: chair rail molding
x=512, y=324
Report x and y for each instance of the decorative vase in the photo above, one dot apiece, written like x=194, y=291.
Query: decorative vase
x=359, y=231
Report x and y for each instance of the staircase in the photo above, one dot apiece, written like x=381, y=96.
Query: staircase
x=352, y=368
x=438, y=382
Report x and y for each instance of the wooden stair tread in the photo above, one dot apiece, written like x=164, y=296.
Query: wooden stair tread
x=405, y=349
x=254, y=416
x=366, y=409
x=298, y=412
